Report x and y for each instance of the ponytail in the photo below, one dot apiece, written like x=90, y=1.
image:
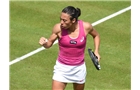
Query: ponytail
x=78, y=12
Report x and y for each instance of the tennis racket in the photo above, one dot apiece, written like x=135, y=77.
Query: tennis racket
x=94, y=59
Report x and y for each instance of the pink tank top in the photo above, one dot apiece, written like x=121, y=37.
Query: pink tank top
x=71, y=51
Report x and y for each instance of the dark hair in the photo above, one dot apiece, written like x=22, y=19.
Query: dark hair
x=73, y=12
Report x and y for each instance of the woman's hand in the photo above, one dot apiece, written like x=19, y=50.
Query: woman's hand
x=42, y=41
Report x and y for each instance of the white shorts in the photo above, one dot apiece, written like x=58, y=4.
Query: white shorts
x=69, y=74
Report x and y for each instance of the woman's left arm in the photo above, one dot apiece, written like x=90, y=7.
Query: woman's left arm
x=96, y=37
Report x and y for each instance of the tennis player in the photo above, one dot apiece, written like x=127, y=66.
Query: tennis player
x=72, y=35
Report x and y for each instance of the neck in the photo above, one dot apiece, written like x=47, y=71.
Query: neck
x=73, y=27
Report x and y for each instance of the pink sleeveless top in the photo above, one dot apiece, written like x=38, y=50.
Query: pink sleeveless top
x=71, y=50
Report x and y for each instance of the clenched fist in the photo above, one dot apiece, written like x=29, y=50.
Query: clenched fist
x=42, y=41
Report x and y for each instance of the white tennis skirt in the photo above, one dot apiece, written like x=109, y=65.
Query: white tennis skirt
x=69, y=74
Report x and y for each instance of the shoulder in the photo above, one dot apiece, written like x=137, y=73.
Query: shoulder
x=56, y=28
x=87, y=26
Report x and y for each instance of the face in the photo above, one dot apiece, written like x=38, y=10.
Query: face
x=65, y=21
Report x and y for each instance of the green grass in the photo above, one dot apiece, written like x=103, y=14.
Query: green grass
x=29, y=20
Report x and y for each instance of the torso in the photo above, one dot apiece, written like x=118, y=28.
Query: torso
x=72, y=46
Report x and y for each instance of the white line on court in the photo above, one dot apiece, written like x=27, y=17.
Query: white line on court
x=29, y=54
x=93, y=24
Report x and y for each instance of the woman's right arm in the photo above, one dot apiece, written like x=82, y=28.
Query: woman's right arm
x=47, y=43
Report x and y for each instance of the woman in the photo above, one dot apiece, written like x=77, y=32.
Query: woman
x=71, y=34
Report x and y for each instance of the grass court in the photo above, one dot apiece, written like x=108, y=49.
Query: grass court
x=30, y=20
